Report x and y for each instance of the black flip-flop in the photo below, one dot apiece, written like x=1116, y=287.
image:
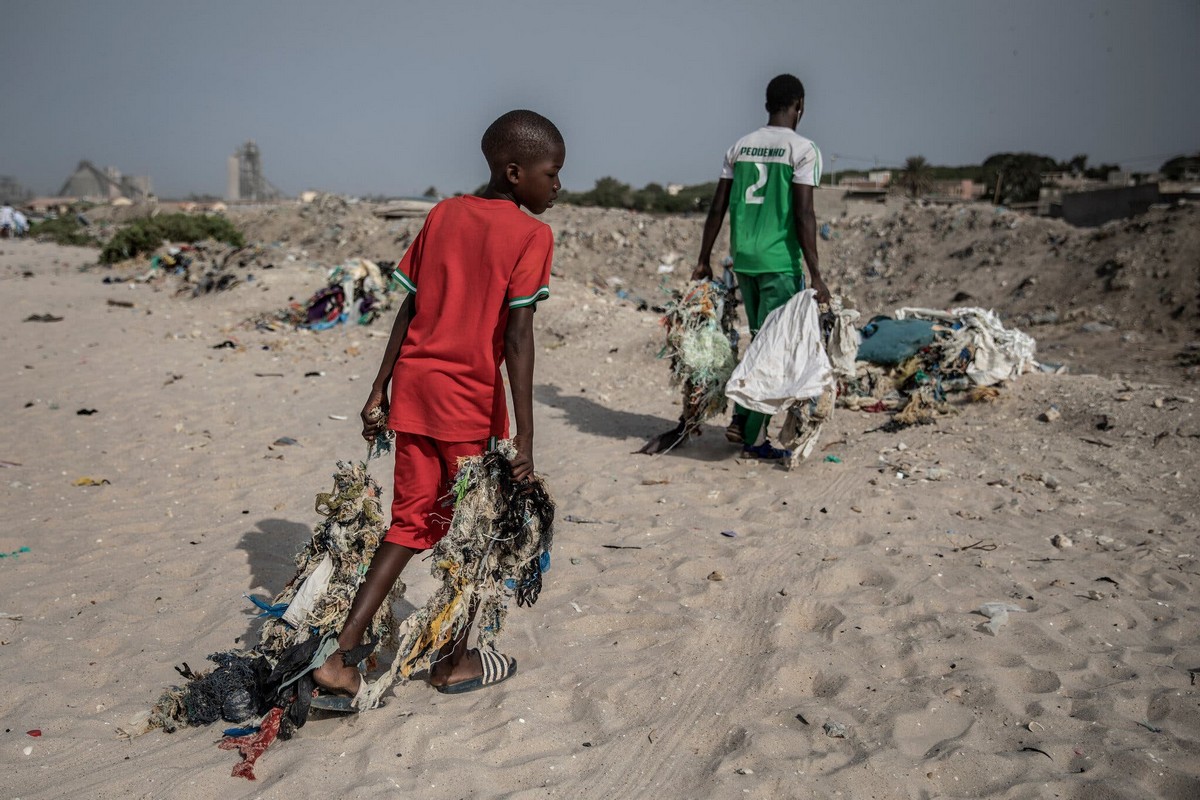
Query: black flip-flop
x=496, y=668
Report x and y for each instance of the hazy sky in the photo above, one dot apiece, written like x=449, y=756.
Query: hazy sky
x=391, y=97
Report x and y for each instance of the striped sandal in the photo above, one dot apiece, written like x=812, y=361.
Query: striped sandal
x=497, y=667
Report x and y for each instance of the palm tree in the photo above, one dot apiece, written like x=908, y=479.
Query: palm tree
x=915, y=177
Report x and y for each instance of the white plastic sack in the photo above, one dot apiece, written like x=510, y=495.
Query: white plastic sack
x=313, y=587
x=786, y=362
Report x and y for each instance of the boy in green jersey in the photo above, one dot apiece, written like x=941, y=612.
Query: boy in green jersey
x=767, y=184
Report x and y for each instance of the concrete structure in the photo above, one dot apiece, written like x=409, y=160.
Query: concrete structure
x=244, y=179
x=89, y=182
x=1095, y=206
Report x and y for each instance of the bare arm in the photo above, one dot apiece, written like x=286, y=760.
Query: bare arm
x=374, y=423
x=518, y=355
x=712, y=227
x=806, y=226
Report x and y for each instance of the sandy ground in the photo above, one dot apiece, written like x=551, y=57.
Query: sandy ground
x=849, y=592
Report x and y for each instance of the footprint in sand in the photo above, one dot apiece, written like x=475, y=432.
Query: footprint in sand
x=918, y=733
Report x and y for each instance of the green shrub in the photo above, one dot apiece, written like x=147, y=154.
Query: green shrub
x=63, y=230
x=146, y=235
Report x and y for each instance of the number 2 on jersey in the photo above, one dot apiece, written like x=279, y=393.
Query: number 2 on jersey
x=752, y=196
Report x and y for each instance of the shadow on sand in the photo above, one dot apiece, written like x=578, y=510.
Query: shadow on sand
x=588, y=416
x=270, y=550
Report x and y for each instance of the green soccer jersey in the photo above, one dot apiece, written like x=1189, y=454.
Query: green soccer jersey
x=763, y=165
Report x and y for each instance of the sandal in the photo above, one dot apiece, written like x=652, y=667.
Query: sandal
x=765, y=452
x=497, y=667
x=336, y=700
x=735, y=433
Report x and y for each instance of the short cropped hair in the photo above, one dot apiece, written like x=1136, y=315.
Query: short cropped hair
x=782, y=91
x=518, y=136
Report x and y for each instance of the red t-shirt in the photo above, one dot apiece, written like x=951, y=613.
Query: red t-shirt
x=473, y=260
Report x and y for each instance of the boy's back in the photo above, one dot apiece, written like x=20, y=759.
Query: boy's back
x=763, y=166
x=474, y=260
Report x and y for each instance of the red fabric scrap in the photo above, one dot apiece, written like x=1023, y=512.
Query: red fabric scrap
x=253, y=745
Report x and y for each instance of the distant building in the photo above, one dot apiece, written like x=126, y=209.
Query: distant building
x=12, y=192
x=89, y=182
x=964, y=190
x=244, y=178
x=875, y=185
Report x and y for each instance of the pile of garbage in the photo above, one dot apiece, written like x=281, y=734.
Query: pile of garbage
x=355, y=292
x=327, y=230
x=910, y=364
x=1034, y=271
x=200, y=268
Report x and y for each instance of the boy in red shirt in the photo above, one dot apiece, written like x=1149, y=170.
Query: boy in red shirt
x=474, y=275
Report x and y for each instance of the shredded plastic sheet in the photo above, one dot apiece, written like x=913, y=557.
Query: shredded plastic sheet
x=701, y=341
x=844, y=339
x=997, y=614
x=497, y=549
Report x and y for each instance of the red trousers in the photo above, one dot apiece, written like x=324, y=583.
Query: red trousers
x=422, y=503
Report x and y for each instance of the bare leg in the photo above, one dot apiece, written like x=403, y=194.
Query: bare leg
x=386, y=565
x=457, y=663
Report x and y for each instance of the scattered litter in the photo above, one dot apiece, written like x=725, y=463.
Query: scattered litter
x=285, y=441
x=1151, y=728
x=1051, y=414
x=835, y=730
x=1033, y=726
x=997, y=614
x=28, y=751
x=314, y=374
x=268, y=374
x=621, y=546
x=803, y=721
x=6, y=615
x=16, y=554
x=86, y=412
x=228, y=344
x=36, y=732
x=655, y=481
x=730, y=534
x=1036, y=750
x=10, y=463
x=981, y=544
x=575, y=606
x=1061, y=541
x=89, y=481
x=42, y=318
x=120, y=303
x=833, y=459
x=581, y=520
x=339, y=417
x=715, y=576
x=744, y=771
